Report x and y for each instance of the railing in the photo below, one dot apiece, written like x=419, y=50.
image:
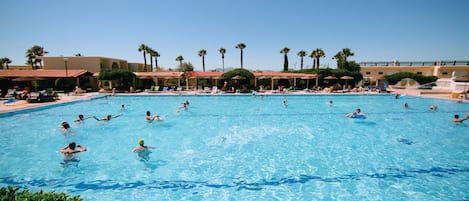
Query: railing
x=415, y=63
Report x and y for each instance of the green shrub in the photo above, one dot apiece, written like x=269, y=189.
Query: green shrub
x=12, y=193
x=421, y=79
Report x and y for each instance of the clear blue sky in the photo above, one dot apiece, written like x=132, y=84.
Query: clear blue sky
x=375, y=30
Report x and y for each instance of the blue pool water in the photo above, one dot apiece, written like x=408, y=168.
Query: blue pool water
x=244, y=148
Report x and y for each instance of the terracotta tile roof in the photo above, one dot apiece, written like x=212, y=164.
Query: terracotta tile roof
x=219, y=74
x=282, y=74
x=41, y=73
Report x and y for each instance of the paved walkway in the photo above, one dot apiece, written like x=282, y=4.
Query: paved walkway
x=61, y=100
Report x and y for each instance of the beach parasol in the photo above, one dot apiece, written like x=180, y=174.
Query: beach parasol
x=346, y=78
x=330, y=77
x=238, y=77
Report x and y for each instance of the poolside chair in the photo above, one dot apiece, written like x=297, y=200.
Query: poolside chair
x=165, y=89
x=206, y=90
x=214, y=90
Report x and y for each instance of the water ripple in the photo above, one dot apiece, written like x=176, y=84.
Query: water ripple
x=236, y=183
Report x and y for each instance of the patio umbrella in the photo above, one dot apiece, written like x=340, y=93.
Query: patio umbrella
x=346, y=78
x=330, y=77
x=238, y=77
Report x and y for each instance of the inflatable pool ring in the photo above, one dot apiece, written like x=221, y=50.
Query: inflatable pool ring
x=359, y=116
x=14, y=102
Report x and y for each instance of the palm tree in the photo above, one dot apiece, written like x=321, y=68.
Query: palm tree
x=156, y=55
x=316, y=54
x=347, y=53
x=143, y=48
x=222, y=52
x=343, y=54
x=285, y=51
x=241, y=46
x=180, y=59
x=151, y=53
x=302, y=54
x=202, y=54
x=6, y=61
x=34, y=56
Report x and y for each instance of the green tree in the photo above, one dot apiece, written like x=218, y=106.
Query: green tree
x=241, y=46
x=151, y=52
x=301, y=54
x=122, y=79
x=156, y=55
x=316, y=55
x=143, y=48
x=285, y=51
x=222, y=52
x=342, y=57
x=34, y=56
x=202, y=54
x=185, y=66
x=180, y=59
x=4, y=62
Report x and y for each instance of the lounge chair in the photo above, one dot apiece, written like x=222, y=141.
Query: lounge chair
x=214, y=90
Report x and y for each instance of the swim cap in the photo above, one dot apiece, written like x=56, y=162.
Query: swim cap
x=141, y=142
x=177, y=110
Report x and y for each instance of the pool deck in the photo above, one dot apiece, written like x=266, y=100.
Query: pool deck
x=88, y=96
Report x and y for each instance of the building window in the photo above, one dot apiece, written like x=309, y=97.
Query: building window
x=368, y=73
x=419, y=73
x=444, y=73
x=114, y=66
x=380, y=73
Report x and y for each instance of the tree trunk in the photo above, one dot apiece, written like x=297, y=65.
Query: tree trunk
x=301, y=63
x=203, y=63
x=285, y=63
x=145, y=61
x=241, y=58
x=151, y=63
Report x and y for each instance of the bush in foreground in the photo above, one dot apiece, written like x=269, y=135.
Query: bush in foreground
x=12, y=193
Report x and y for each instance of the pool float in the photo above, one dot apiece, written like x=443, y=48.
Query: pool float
x=13, y=102
x=357, y=116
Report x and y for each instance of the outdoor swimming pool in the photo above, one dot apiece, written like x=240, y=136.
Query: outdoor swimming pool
x=244, y=148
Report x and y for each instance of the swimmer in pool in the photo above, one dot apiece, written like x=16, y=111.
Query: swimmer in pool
x=460, y=120
x=69, y=151
x=406, y=106
x=357, y=114
x=285, y=102
x=107, y=118
x=65, y=126
x=81, y=118
x=330, y=103
x=433, y=107
x=149, y=118
x=142, y=150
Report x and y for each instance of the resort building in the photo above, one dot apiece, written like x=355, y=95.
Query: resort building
x=446, y=71
x=91, y=64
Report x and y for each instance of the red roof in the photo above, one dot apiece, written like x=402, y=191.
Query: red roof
x=42, y=73
x=219, y=74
